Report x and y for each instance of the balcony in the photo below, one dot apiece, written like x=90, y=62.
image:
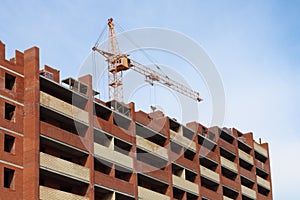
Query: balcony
x=151, y=147
x=113, y=156
x=246, y=157
x=53, y=194
x=227, y=198
x=263, y=183
x=57, y=164
x=229, y=164
x=259, y=149
x=104, y=193
x=66, y=94
x=185, y=185
x=180, y=139
x=64, y=108
x=146, y=194
x=209, y=174
x=248, y=192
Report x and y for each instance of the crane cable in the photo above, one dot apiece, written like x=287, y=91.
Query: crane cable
x=100, y=36
x=151, y=59
x=94, y=64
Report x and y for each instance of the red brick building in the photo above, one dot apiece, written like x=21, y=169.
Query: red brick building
x=57, y=141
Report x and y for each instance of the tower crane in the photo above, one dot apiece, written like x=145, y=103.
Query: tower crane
x=118, y=62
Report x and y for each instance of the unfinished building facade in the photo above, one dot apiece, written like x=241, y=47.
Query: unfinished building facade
x=57, y=141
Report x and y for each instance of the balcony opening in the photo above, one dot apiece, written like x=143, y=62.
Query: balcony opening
x=263, y=190
x=102, y=111
x=174, y=125
x=226, y=135
x=211, y=185
x=59, y=150
x=190, y=196
x=59, y=182
x=245, y=165
x=176, y=148
x=150, y=135
x=227, y=154
x=190, y=176
x=122, y=147
x=208, y=163
x=10, y=81
x=260, y=157
x=243, y=146
x=188, y=133
x=263, y=174
x=9, y=111
x=103, y=166
x=63, y=122
x=188, y=154
x=123, y=197
x=247, y=182
x=103, y=139
x=246, y=198
x=123, y=174
x=65, y=94
x=228, y=173
x=9, y=143
x=152, y=184
x=103, y=194
x=151, y=159
x=121, y=121
x=9, y=176
x=178, y=194
x=229, y=192
x=207, y=140
x=178, y=171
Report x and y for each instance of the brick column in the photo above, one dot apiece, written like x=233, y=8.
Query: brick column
x=31, y=124
x=89, y=135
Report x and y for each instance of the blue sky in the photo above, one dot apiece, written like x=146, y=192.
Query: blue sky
x=254, y=44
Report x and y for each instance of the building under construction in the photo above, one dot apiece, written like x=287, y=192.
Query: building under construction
x=58, y=141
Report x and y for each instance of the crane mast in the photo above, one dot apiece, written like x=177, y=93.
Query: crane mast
x=117, y=63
